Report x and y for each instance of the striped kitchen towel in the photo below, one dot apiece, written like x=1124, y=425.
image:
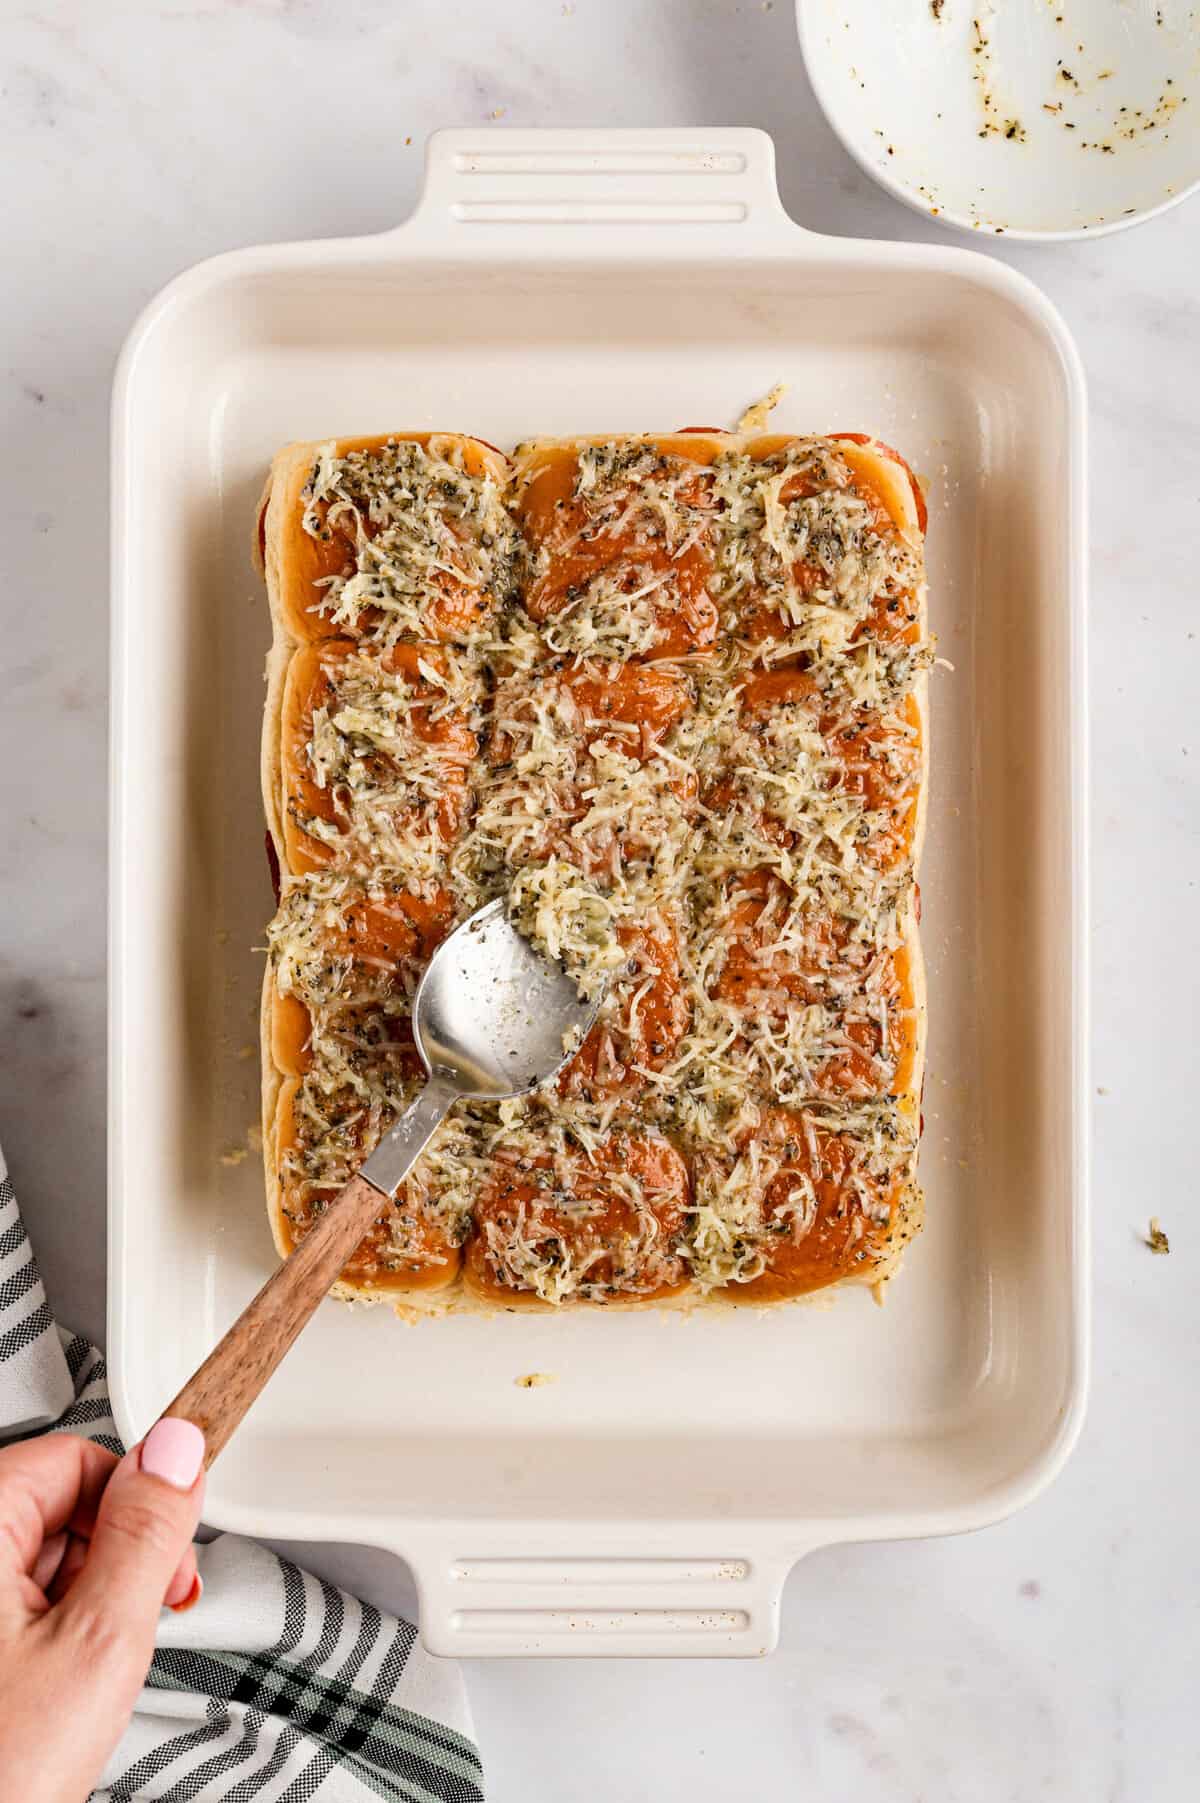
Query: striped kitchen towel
x=275, y=1687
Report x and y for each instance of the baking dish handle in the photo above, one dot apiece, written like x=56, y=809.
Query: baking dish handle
x=540, y=193
x=606, y=1603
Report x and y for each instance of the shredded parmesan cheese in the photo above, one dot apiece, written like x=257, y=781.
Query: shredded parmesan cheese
x=733, y=869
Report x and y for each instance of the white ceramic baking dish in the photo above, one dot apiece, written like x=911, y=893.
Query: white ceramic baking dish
x=653, y=1497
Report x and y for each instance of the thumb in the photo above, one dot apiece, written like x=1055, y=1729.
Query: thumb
x=144, y=1525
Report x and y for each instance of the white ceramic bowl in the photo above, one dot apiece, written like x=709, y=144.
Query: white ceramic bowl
x=1036, y=118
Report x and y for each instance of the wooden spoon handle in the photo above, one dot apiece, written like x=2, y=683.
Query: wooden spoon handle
x=218, y=1395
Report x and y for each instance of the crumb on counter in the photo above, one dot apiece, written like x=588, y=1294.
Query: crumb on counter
x=1156, y=1239
x=535, y=1380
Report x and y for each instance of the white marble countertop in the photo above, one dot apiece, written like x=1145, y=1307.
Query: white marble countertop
x=1054, y=1655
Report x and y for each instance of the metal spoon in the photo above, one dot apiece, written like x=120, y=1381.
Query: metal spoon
x=492, y=1018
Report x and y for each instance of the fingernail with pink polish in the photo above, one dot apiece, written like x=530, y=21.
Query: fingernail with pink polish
x=191, y=1599
x=173, y=1450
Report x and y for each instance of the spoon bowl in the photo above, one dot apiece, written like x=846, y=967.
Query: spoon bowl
x=495, y=1015
x=492, y=1019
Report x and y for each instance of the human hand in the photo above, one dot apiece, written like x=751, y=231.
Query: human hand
x=91, y=1547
